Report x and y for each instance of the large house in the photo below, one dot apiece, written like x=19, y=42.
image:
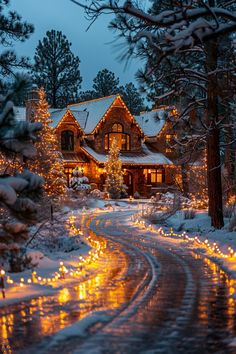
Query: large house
x=85, y=132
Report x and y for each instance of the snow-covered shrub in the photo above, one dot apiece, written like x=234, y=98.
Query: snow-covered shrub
x=157, y=215
x=229, y=210
x=79, y=182
x=232, y=223
x=189, y=214
x=96, y=194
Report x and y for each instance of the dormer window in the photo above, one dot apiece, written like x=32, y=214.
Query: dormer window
x=67, y=140
x=117, y=132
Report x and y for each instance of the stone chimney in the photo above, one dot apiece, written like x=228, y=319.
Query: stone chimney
x=31, y=103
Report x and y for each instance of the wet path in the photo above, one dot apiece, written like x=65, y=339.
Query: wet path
x=155, y=300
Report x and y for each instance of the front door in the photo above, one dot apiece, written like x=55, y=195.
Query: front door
x=128, y=181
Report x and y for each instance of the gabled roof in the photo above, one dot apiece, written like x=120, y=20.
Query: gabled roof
x=57, y=115
x=152, y=122
x=145, y=157
x=89, y=113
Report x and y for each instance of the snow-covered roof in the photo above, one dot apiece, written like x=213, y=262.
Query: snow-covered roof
x=146, y=157
x=89, y=113
x=152, y=122
x=57, y=115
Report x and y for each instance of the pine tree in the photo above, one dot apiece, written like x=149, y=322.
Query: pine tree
x=48, y=162
x=105, y=83
x=87, y=95
x=114, y=174
x=132, y=98
x=12, y=29
x=56, y=68
x=16, y=190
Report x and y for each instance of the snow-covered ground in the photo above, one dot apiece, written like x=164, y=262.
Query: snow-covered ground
x=197, y=233
x=75, y=250
x=63, y=241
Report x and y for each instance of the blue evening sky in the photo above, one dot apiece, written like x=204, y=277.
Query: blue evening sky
x=93, y=47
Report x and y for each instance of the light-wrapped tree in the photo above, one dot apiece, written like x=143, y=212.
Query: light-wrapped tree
x=114, y=175
x=48, y=160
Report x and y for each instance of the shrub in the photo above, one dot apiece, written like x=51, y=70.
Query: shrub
x=232, y=223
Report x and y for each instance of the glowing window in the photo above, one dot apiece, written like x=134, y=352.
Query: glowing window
x=117, y=128
x=157, y=176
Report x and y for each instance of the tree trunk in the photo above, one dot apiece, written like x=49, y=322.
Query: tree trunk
x=213, y=141
x=185, y=179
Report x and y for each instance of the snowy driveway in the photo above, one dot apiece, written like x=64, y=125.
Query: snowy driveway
x=143, y=298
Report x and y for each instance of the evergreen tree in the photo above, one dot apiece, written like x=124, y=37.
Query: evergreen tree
x=16, y=190
x=56, y=69
x=184, y=29
x=114, y=174
x=87, y=95
x=12, y=29
x=105, y=83
x=132, y=98
x=48, y=161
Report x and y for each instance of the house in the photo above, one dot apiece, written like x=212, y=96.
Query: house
x=85, y=132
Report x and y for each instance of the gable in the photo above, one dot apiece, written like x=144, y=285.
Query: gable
x=63, y=116
x=117, y=103
x=89, y=113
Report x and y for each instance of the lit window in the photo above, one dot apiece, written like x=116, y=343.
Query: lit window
x=117, y=128
x=123, y=140
x=67, y=140
x=169, y=141
x=156, y=176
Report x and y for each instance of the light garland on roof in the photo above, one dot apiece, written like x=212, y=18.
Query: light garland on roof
x=103, y=119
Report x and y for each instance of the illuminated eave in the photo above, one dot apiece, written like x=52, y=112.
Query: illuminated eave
x=103, y=119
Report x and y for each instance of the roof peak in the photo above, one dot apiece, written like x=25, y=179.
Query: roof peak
x=93, y=100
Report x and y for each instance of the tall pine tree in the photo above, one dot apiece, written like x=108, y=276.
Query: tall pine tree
x=56, y=68
x=114, y=174
x=12, y=29
x=132, y=98
x=48, y=162
x=105, y=83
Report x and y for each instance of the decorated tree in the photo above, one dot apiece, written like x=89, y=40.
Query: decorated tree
x=114, y=174
x=48, y=161
x=79, y=182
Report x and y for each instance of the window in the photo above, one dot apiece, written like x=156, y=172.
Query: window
x=67, y=140
x=117, y=128
x=156, y=176
x=169, y=142
x=68, y=172
x=123, y=140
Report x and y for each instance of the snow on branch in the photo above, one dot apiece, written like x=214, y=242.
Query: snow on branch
x=184, y=26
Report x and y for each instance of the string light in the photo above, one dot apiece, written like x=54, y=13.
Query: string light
x=63, y=272
x=214, y=248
